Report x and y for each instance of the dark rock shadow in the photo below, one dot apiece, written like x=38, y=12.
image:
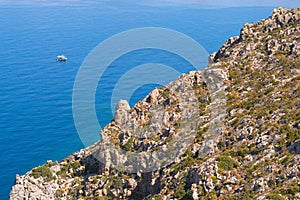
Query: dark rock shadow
x=144, y=187
x=295, y=147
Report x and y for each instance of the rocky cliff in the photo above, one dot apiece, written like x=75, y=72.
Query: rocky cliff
x=242, y=139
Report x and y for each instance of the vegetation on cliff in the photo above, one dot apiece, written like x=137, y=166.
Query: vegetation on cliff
x=256, y=157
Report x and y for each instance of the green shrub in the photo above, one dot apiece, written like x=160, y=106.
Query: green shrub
x=292, y=136
x=243, y=151
x=117, y=182
x=180, y=192
x=71, y=165
x=128, y=145
x=293, y=189
x=43, y=171
x=271, y=183
x=157, y=197
x=226, y=163
x=214, y=179
x=273, y=196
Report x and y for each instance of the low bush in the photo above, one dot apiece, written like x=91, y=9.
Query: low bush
x=43, y=171
x=226, y=163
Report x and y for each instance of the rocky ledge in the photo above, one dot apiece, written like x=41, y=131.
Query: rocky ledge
x=254, y=156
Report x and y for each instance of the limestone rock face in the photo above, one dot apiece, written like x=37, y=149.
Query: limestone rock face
x=283, y=22
x=121, y=114
x=245, y=130
x=27, y=187
x=295, y=147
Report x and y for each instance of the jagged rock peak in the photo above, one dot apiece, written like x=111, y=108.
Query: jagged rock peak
x=283, y=23
x=121, y=113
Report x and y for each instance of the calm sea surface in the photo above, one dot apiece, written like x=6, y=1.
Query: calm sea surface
x=36, y=122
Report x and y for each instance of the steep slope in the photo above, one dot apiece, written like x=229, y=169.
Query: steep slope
x=255, y=155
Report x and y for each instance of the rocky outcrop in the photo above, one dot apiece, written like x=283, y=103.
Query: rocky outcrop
x=295, y=147
x=259, y=38
x=122, y=111
x=241, y=140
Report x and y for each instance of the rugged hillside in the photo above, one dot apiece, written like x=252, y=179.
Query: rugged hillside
x=252, y=152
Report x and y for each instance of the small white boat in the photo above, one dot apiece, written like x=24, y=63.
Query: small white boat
x=61, y=58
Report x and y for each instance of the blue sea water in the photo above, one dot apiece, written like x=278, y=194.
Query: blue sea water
x=36, y=122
